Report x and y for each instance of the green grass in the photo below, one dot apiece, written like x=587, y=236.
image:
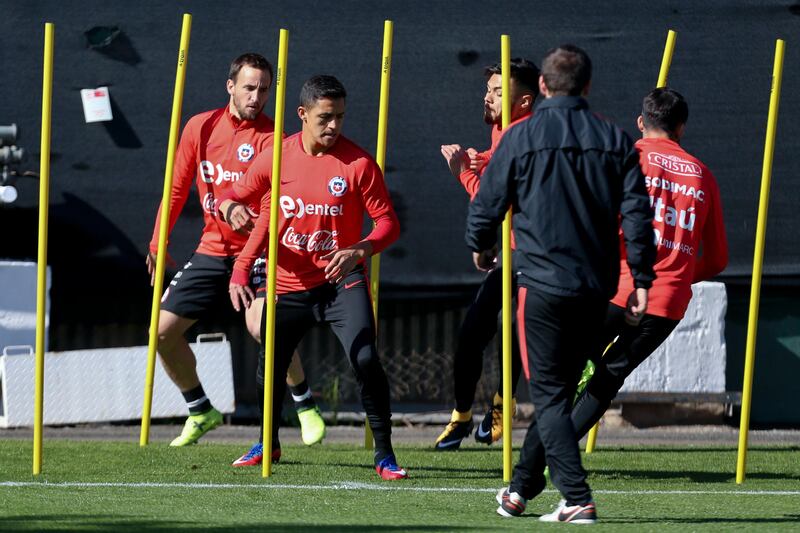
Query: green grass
x=305, y=492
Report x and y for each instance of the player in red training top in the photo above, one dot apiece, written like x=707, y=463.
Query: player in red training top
x=218, y=147
x=327, y=185
x=691, y=247
x=480, y=322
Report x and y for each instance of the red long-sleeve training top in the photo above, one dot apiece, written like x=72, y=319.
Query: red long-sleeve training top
x=322, y=201
x=688, y=225
x=217, y=148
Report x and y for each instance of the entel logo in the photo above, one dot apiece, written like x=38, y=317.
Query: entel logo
x=208, y=170
x=297, y=208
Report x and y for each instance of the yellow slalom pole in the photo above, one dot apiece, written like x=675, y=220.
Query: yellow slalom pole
x=758, y=261
x=591, y=439
x=380, y=158
x=272, y=254
x=174, y=128
x=505, y=73
x=41, y=264
x=666, y=62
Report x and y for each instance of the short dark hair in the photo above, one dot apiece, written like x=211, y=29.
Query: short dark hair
x=319, y=87
x=253, y=60
x=566, y=70
x=664, y=109
x=525, y=73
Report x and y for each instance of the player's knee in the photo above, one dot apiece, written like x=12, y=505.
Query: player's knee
x=366, y=359
x=255, y=330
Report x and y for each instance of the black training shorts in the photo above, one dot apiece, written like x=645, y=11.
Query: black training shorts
x=202, y=285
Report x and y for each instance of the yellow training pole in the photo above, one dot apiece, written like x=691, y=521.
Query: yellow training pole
x=272, y=254
x=41, y=264
x=174, y=128
x=758, y=261
x=666, y=62
x=380, y=158
x=505, y=69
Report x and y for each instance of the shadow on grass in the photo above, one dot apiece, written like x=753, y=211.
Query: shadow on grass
x=471, y=473
x=116, y=523
x=694, y=475
x=742, y=522
x=689, y=448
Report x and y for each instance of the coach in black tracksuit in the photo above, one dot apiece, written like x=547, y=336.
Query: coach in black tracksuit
x=568, y=175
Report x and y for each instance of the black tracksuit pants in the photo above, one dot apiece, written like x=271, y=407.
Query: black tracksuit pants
x=477, y=331
x=347, y=308
x=632, y=346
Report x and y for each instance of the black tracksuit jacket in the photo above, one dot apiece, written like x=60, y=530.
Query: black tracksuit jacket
x=568, y=175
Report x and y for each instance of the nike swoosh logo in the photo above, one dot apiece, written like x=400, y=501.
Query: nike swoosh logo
x=353, y=284
x=482, y=433
x=448, y=443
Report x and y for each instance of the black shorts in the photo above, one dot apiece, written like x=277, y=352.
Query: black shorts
x=202, y=285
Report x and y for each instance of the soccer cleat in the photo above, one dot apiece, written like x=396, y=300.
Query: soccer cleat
x=572, y=514
x=255, y=456
x=511, y=503
x=312, y=427
x=455, y=432
x=491, y=427
x=196, y=426
x=387, y=468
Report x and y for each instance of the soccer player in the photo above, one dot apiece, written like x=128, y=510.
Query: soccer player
x=568, y=176
x=327, y=185
x=691, y=247
x=217, y=147
x=480, y=323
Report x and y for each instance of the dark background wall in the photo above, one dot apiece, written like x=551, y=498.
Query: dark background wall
x=107, y=178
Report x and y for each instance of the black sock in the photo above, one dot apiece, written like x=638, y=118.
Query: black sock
x=302, y=397
x=197, y=401
x=382, y=453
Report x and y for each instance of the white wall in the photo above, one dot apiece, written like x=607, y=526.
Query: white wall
x=18, y=304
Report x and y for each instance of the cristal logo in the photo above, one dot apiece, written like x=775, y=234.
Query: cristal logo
x=215, y=174
x=318, y=241
x=674, y=164
x=292, y=207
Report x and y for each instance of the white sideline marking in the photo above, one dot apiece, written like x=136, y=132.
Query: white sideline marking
x=354, y=485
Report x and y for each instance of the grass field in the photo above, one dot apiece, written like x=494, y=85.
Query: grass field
x=93, y=486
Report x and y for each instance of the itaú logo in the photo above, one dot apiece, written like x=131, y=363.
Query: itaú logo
x=215, y=174
x=317, y=241
x=292, y=207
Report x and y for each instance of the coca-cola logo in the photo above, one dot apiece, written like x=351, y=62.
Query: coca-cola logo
x=209, y=203
x=317, y=241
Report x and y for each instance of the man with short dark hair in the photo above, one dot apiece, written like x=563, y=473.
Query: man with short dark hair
x=217, y=147
x=691, y=247
x=568, y=175
x=327, y=186
x=480, y=322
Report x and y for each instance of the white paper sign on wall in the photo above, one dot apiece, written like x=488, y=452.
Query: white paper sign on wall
x=96, y=104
